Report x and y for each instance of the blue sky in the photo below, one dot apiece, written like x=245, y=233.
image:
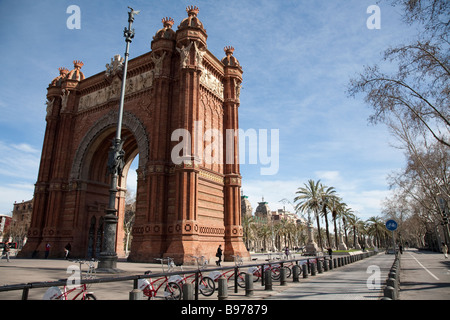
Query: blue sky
x=297, y=57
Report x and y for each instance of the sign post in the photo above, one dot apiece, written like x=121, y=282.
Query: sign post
x=392, y=225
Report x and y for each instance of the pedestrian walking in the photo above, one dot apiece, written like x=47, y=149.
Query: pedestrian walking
x=6, y=251
x=445, y=250
x=219, y=255
x=286, y=252
x=67, y=250
x=47, y=250
x=330, y=251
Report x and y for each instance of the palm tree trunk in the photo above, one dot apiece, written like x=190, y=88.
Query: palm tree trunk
x=326, y=226
x=335, y=232
x=318, y=231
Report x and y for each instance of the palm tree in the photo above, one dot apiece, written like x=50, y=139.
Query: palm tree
x=309, y=199
x=375, y=227
x=248, y=230
x=327, y=195
x=353, y=222
x=346, y=214
x=337, y=207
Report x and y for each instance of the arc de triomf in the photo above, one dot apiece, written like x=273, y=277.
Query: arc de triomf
x=182, y=209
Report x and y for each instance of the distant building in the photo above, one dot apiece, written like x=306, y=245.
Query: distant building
x=282, y=214
x=20, y=222
x=22, y=211
x=5, y=221
x=263, y=210
x=246, y=207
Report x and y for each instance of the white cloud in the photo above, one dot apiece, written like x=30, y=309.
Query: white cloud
x=19, y=161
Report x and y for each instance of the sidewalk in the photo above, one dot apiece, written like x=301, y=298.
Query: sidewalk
x=36, y=270
x=349, y=282
x=425, y=275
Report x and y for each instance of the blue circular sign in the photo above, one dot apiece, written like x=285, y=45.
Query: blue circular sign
x=391, y=225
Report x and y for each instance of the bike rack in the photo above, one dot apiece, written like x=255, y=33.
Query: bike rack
x=25, y=287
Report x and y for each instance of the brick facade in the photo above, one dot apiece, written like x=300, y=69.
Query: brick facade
x=181, y=209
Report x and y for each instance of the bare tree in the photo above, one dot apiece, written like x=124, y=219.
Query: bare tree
x=419, y=90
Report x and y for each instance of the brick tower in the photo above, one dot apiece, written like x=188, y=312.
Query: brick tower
x=181, y=104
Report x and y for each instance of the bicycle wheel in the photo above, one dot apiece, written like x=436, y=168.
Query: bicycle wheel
x=90, y=296
x=207, y=286
x=256, y=276
x=172, y=291
x=288, y=272
x=241, y=279
x=275, y=274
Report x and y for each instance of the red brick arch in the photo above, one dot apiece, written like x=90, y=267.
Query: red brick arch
x=181, y=209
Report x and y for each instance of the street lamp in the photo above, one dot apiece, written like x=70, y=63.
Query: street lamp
x=116, y=156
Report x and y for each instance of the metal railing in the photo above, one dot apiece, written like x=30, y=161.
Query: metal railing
x=310, y=262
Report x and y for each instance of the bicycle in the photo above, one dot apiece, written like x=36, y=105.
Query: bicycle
x=150, y=288
x=274, y=270
x=231, y=274
x=55, y=293
x=206, y=285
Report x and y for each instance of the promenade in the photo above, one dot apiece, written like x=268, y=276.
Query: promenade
x=424, y=276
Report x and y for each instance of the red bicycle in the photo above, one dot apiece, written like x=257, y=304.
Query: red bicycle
x=73, y=292
x=230, y=274
x=150, y=288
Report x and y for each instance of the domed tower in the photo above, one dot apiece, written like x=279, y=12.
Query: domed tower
x=76, y=73
x=166, y=32
x=51, y=185
x=62, y=75
x=263, y=210
x=246, y=206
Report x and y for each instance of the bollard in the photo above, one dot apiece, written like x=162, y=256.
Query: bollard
x=392, y=274
x=305, y=271
x=330, y=264
x=339, y=261
x=313, y=269
x=223, y=288
x=391, y=282
x=283, y=276
x=136, y=294
x=268, y=284
x=389, y=292
x=188, y=291
x=335, y=263
x=325, y=265
x=296, y=273
x=319, y=266
x=248, y=284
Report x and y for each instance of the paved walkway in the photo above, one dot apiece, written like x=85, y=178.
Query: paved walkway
x=425, y=275
x=360, y=280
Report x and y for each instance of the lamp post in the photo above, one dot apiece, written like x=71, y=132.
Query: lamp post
x=108, y=255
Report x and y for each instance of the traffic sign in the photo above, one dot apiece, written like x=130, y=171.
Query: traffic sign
x=391, y=225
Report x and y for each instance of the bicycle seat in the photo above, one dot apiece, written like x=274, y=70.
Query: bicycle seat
x=148, y=272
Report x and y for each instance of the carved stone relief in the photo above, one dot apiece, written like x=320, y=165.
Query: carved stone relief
x=209, y=80
x=132, y=85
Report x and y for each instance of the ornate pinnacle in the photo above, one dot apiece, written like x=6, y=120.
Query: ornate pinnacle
x=167, y=22
x=192, y=10
x=63, y=70
x=228, y=50
x=78, y=64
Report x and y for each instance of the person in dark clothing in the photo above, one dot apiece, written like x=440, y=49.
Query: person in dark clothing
x=219, y=255
x=67, y=250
